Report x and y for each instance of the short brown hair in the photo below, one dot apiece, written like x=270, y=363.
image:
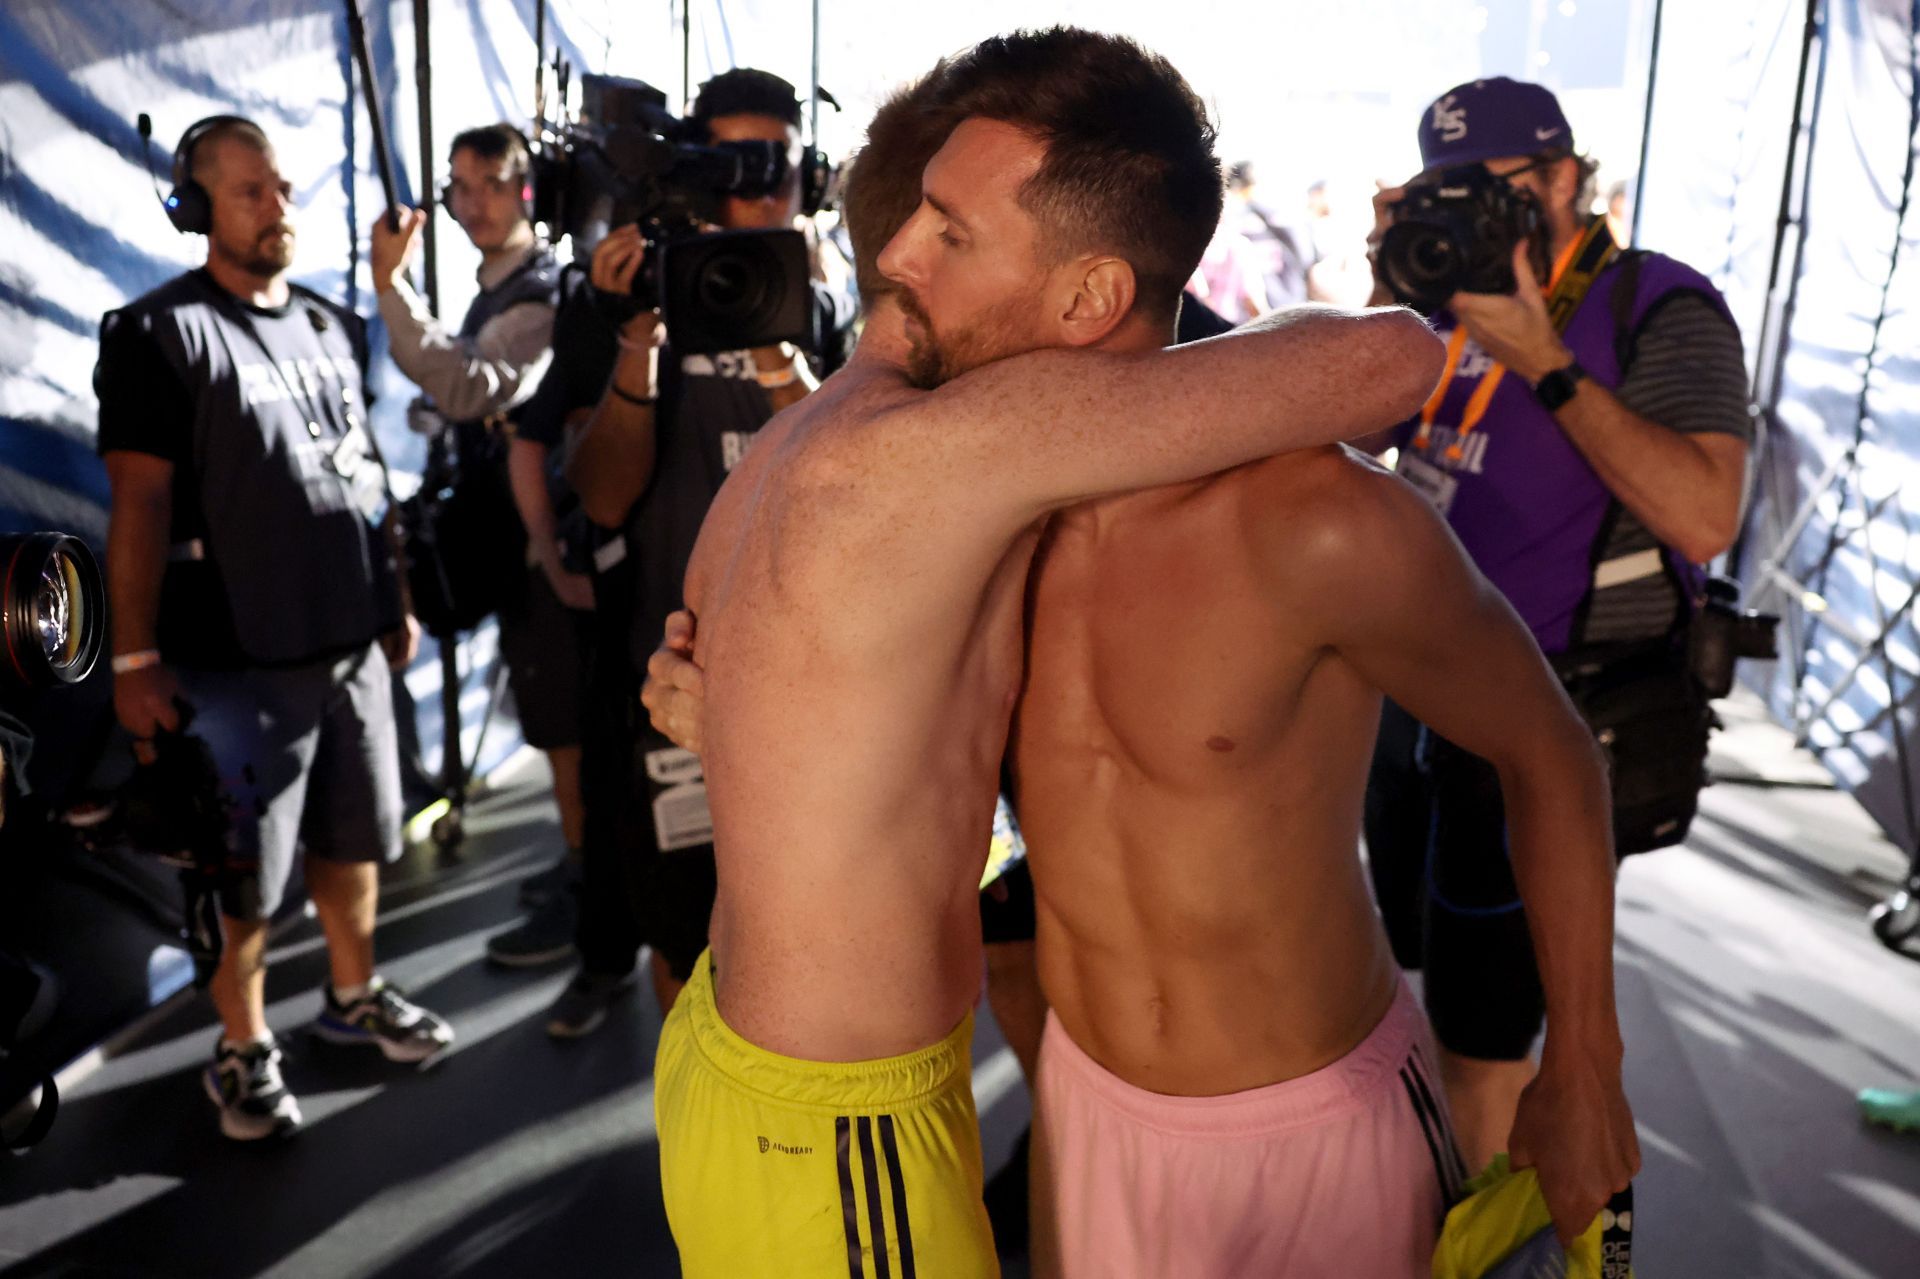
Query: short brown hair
x=245, y=132
x=496, y=142
x=1130, y=167
x=882, y=185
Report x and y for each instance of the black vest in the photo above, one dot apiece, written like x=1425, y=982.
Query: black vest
x=536, y=279
x=275, y=560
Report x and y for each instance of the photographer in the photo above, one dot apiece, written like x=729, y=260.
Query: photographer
x=475, y=377
x=1587, y=444
x=1588, y=448
x=663, y=432
x=251, y=585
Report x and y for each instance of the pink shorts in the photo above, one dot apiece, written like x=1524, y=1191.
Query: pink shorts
x=1347, y=1171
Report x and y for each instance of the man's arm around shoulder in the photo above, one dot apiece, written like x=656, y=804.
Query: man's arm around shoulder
x=1039, y=431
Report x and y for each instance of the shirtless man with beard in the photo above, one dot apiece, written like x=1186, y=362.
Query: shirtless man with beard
x=1234, y=1078
x=860, y=582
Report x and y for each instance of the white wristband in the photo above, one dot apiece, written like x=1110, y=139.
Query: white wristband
x=124, y=663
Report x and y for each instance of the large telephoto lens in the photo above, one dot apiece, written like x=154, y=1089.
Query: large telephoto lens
x=52, y=610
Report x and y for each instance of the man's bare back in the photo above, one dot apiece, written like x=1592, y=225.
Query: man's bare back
x=852, y=825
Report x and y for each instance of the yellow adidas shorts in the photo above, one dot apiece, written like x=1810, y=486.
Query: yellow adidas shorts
x=786, y=1169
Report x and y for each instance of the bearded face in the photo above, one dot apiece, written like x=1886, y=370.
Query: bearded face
x=1000, y=329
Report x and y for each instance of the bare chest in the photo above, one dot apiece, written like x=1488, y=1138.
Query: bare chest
x=1163, y=646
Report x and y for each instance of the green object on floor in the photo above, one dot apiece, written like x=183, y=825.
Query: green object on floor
x=1899, y=1111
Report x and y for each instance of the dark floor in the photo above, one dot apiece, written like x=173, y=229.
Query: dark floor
x=1753, y=998
x=516, y=1156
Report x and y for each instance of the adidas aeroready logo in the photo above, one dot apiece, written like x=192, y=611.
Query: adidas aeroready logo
x=1448, y=120
x=782, y=1148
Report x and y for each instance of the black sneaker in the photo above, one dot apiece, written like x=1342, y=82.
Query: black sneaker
x=387, y=1019
x=543, y=937
x=245, y=1084
x=537, y=890
x=583, y=1005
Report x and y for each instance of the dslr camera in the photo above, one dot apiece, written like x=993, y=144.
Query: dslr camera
x=1454, y=232
x=1722, y=633
x=626, y=160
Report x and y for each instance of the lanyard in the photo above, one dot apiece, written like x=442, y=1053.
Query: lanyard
x=1565, y=291
x=237, y=312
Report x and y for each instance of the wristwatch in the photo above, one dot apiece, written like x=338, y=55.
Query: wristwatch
x=1557, y=387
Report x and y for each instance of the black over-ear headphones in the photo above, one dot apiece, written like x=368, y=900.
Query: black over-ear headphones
x=188, y=207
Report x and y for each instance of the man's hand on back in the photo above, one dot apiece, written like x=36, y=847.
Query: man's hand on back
x=675, y=687
x=1575, y=1129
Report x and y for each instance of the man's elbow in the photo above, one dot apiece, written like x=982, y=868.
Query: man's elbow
x=1409, y=357
x=1709, y=534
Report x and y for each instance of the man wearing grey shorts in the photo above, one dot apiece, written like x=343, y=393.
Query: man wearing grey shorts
x=251, y=585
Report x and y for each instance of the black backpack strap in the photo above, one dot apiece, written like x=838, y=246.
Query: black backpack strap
x=1626, y=292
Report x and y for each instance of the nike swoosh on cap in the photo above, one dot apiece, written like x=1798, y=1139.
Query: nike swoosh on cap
x=1541, y=135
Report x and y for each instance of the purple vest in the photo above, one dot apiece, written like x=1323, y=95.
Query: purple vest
x=1521, y=498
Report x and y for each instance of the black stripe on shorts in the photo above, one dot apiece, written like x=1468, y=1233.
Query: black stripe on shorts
x=1426, y=1130
x=876, y=1220
x=1441, y=1127
x=849, y=1215
x=901, y=1229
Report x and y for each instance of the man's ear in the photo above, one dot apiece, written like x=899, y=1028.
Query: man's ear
x=1563, y=180
x=1102, y=296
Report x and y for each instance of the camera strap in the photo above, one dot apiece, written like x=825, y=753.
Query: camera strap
x=1578, y=266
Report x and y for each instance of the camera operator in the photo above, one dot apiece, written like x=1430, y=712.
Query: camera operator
x=474, y=377
x=664, y=431
x=1588, y=466
x=251, y=583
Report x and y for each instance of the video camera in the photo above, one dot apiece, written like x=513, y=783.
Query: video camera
x=628, y=160
x=1453, y=233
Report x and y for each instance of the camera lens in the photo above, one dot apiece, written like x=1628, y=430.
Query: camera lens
x=1422, y=263
x=52, y=614
x=740, y=285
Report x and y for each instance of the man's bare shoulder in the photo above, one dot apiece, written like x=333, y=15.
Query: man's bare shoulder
x=1334, y=519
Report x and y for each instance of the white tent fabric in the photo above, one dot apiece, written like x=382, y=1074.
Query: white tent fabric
x=1833, y=538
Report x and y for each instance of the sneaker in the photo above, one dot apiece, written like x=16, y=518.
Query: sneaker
x=543, y=937
x=583, y=1005
x=1899, y=1111
x=245, y=1084
x=387, y=1019
x=537, y=890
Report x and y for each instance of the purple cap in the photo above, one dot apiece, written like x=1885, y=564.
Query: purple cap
x=1486, y=118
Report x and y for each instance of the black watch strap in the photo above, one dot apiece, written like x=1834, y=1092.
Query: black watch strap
x=1557, y=387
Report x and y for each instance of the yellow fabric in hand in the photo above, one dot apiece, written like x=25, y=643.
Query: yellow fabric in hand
x=1504, y=1210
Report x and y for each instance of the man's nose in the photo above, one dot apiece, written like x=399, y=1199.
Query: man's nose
x=897, y=260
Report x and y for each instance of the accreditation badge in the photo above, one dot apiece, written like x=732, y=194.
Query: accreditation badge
x=681, y=818
x=353, y=461
x=1434, y=484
